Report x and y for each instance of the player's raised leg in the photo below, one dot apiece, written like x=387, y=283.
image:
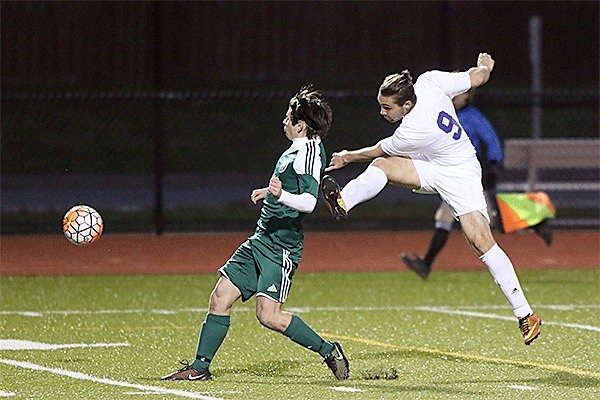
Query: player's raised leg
x=397, y=170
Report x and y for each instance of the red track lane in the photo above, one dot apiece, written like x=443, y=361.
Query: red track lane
x=324, y=251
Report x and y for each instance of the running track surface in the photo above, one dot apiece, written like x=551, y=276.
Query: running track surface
x=323, y=251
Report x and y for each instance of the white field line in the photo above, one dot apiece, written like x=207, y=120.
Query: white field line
x=80, y=376
x=345, y=389
x=146, y=393
x=506, y=318
x=521, y=387
x=13, y=344
x=29, y=313
x=445, y=310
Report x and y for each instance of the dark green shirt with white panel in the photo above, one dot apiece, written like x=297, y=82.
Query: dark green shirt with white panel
x=265, y=263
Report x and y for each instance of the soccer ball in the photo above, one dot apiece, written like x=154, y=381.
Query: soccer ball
x=82, y=225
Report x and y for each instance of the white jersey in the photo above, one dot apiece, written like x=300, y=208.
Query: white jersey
x=432, y=128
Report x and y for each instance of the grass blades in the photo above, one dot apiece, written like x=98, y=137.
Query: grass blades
x=453, y=336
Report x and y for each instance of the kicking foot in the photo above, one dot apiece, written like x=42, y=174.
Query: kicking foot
x=331, y=194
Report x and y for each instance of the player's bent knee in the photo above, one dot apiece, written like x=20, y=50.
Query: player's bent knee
x=383, y=164
x=486, y=246
x=214, y=304
x=481, y=243
x=219, y=302
x=270, y=316
x=380, y=162
x=268, y=320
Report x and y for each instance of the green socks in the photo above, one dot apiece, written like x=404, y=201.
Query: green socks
x=213, y=332
x=215, y=327
x=303, y=334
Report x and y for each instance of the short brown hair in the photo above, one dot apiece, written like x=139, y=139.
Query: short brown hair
x=400, y=87
x=310, y=106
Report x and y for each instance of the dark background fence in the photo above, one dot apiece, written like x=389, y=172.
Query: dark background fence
x=189, y=44
x=166, y=114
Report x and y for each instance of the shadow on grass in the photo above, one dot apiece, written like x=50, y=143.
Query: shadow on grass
x=300, y=374
x=289, y=373
x=560, y=379
x=271, y=369
x=571, y=380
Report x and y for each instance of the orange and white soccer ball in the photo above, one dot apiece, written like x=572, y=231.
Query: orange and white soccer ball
x=82, y=225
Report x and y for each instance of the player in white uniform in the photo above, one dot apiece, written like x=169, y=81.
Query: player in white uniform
x=430, y=153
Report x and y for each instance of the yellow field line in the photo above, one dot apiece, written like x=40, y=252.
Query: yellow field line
x=467, y=356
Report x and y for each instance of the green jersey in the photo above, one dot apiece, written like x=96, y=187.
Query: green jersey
x=299, y=168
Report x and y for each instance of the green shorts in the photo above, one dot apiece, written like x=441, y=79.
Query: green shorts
x=262, y=268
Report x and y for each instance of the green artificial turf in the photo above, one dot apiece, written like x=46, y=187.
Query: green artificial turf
x=451, y=337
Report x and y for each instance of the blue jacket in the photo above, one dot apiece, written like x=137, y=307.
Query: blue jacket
x=479, y=130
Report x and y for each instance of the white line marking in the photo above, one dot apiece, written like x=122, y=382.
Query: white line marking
x=12, y=344
x=78, y=375
x=506, y=318
x=27, y=313
x=446, y=310
x=521, y=387
x=145, y=393
x=344, y=389
x=6, y=394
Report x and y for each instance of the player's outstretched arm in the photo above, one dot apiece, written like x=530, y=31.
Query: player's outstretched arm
x=345, y=157
x=481, y=73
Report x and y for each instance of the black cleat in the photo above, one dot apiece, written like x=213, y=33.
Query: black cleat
x=330, y=191
x=188, y=373
x=417, y=264
x=337, y=362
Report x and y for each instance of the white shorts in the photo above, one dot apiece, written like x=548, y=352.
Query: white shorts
x=459, y=186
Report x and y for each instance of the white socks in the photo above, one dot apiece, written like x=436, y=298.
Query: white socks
x=504, y=275
x=364, y=187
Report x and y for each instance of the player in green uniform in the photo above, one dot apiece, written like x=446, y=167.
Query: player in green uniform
x=266, y=262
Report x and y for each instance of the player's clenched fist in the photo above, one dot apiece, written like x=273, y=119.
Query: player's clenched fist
x=275, y=187
x=258, y=194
